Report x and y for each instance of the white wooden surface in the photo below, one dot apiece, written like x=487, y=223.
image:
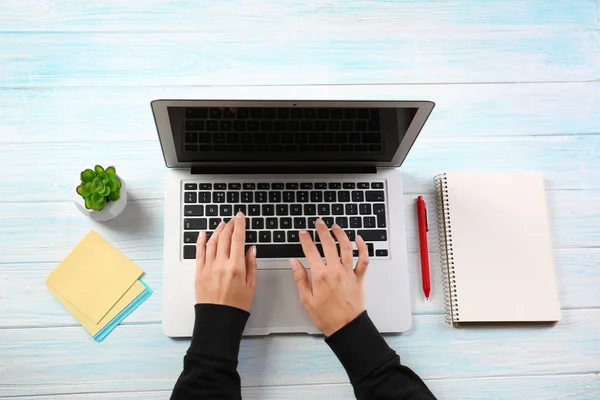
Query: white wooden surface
x=517, y=87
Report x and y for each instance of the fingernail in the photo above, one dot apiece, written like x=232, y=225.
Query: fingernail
x=319, y=221
x=254, y=251
x=293, y=264
x=303, y=232
x=239, y=214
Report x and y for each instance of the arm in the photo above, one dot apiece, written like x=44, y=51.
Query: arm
x=225, y=285
x=335, y=302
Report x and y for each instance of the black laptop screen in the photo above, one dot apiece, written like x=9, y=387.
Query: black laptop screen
x=203, y=134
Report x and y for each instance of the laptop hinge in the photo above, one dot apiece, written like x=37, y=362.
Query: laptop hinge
x=245, y=170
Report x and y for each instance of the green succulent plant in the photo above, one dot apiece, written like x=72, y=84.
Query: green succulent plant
x=99, y=186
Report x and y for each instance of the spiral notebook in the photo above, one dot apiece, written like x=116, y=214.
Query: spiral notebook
x=496, y=249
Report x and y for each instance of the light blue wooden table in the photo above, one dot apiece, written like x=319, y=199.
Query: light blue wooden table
x=517, y=87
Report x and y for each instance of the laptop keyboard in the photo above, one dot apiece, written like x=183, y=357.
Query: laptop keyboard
x=275, y=212
x=280, y=130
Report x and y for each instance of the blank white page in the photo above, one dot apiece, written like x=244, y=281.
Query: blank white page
x=503, y=263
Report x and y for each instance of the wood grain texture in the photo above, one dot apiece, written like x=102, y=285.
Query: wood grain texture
x=116, y=114
x=561, y=387
x=211, y=16
x=292, y=57
x=138, y=231
x=26, y=302
x=568, y=162
x=140, y=357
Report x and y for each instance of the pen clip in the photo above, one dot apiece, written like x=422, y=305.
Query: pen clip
x=426, y=221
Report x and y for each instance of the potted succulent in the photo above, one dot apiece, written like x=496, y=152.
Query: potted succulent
x=101, y=194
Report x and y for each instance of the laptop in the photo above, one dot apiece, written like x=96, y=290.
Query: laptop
x=285, y=164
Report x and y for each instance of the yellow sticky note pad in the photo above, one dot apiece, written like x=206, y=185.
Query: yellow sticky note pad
x=93, y=277
x=90, y=326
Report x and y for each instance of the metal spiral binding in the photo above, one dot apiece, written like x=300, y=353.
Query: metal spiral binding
x=440, y=183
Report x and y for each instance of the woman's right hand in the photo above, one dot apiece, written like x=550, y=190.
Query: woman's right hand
x=336, y=295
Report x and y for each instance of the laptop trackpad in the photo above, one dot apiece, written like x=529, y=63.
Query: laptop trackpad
x=276, y=307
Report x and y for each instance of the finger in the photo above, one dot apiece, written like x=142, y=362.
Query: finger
x=211, y=247
x=310, y=250
x=224, y=247
x=345, y=246
x=363, y=258
x=251, y=267
x=200, y=251
x=301, y=278
x=238, y=239
x=329, y=248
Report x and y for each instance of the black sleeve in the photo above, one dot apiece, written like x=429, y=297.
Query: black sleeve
x=210, y=365
x=373, y=367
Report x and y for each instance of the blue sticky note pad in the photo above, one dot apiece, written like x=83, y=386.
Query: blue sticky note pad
x=124, y=313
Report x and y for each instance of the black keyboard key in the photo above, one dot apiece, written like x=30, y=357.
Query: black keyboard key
x=213, y=223
x=344, y=196
x=247, y=197
x=375, y=195
x=272, y=223
x=193, y=211
x=225, y=210
x=208, y=235
x=215, y=113
x=274, y=197
x=348, y=185
x=365, y=209
x=233, y=197
x=358, y=196
x=289, y=197
x=253, y=210
x=351, y=235
x=220, y=186
x=205, y=186
x=239, y=207
x=277, y=186
x=283, y=113
x=369, y=222
x=342, y=221
x=190, y=197
x=348, y=126
x=292, y=236
x=281, y=209
x=302, y=197
x=218, y=197
x=234, y=186
x=299, y=223
x=285, y=250
x=262, y=186
x=310, y=209
x=355, y=253
x=249, y=186
x=316, y=196
x=328, y=221
x=264, y=237
x=324, y=209
x=212, y=210
x=311, y=222
x=285, y=223
x=379, y=211
x=376, y=185
x=351, y=209
x=239, y=126
x=305, y=185
x=381, y=253
x=373, y=235
x=337, y=209
x=335, y=185
x=296, y=209
x=291, y=186
x=268, y=209
x=370, y=247
x=363, y=185
x=190, y=237
x=196, y=112
x=260, y=197
x=251, y=237
x=355, y=222
x=258, y=223
x=189, y=252
x=320, y=185
x=279, y=236
x=190, y=186
x=330, y=196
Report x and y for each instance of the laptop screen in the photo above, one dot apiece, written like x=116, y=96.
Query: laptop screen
x=226, y=134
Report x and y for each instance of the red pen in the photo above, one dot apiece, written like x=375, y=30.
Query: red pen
x=423, y=229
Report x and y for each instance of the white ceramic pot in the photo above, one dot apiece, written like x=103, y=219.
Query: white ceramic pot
x=112, y=209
